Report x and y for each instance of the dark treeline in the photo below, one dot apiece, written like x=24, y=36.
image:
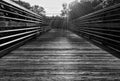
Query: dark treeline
x=36, y=8
x=58, y=22
x=22, y=3
x=78, y=9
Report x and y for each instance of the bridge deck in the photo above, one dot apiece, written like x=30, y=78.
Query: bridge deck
x=59, y=56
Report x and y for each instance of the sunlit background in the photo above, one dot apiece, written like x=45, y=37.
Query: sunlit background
x=52, y=7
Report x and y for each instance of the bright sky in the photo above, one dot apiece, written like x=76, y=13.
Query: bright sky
x=52, y=7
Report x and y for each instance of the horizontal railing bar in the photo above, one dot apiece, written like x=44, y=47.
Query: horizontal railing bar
x=19, y=15
x=100, y=25
x=102, y=37
x=111, y=44
x=100, y=21
x=11, y=6
x=114, y=48
x=18, y=30
x=99, y=12
x=107, y=30
x=21, y=10
x=19, y=24
x=96, y=18
x=17, y=35
x=1, y=45
x=97, y=32
x=16, y=19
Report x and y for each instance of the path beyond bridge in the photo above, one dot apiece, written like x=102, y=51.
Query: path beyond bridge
x=59, y=55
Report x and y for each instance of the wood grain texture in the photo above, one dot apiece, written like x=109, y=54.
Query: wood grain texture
x=59, y=56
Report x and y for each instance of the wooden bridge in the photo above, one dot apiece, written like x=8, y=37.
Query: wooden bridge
x=33, y=51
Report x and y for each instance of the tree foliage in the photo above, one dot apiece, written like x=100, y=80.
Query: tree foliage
x=22, y=3
x=65, y=10
x=78, y=9
x=36, y=8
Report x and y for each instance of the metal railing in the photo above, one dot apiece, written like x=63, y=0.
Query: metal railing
x=102, y=28
x=17, y=25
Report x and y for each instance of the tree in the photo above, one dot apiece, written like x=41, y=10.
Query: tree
x=106, y=3
x=116, y=1
x=78, y=9
x=84, y=7
x=38, y=9
x=64, y=12
x=22, y=3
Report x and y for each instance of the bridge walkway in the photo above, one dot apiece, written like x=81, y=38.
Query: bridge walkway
x=59, y=56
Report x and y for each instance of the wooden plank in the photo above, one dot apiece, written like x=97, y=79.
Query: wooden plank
x=59, y=56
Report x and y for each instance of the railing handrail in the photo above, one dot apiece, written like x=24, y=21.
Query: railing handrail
x=27, y=25
x=19, y=14
x=20, y=7
x=21, y=29
x=102, y=28
x=16, y=35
